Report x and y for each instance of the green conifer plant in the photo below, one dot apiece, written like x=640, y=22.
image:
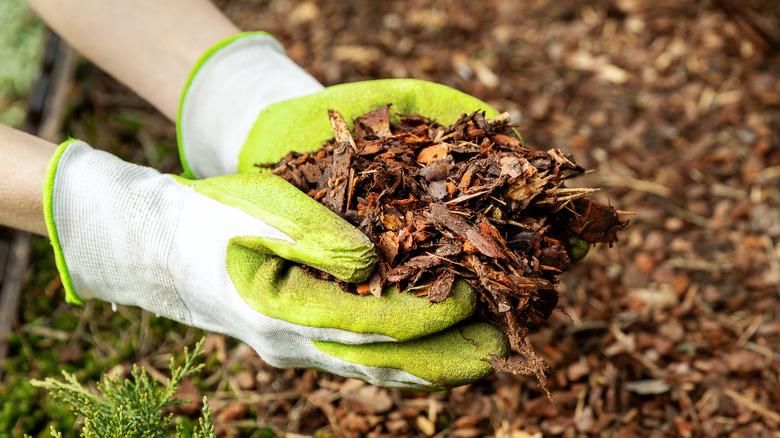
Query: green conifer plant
x=132, y=407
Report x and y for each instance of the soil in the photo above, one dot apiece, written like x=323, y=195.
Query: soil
x=672, y=332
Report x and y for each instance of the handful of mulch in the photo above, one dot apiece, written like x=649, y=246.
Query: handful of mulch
x=465, y=201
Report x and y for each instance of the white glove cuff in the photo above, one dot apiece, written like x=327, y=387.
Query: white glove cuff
x=228, y=88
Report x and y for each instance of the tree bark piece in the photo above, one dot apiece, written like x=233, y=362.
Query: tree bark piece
x=341, y=170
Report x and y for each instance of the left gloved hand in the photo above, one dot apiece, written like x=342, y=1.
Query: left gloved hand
x=213, y=253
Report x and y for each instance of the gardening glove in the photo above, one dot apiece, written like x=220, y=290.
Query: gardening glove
x=246, y=103
x=215, y=254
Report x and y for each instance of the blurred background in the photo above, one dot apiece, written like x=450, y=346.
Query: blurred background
x=674, y=331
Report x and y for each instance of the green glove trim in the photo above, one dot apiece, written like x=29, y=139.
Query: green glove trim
x=48, y=213
x=187, y=172
x=279, y=289
x=302, y=124
x=322, y=239
x=448, y=359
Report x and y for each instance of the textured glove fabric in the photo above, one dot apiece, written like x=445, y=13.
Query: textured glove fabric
x=228, y=87
x=247, y=103
x=215, y=254
x=302, y=124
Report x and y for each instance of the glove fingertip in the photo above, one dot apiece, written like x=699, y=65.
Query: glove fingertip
x=448, y=359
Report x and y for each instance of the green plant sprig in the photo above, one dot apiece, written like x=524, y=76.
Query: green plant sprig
x=132, y=407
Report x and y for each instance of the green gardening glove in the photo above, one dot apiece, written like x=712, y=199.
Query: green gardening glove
x=246, y=103
x=302, y=124
x=214, y=253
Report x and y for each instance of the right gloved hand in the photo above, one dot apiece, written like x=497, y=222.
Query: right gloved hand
x=214, y=254
x=246, y=103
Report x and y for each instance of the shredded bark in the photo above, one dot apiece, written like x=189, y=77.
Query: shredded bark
x=465, y=201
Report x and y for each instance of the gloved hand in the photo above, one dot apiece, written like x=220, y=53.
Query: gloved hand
x=246, y=103
x=213, y=254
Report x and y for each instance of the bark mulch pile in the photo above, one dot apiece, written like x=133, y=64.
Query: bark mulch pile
x=462, y=201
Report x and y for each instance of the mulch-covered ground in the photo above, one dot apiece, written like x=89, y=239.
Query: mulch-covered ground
x=674, y=331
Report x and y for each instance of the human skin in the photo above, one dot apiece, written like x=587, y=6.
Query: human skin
x=24, y=159
x=149, y=45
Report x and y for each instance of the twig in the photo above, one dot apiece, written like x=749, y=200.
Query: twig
x=749, y=331
x=466, y=198
x=635, y=184
x=686, y=215
x=749, y=23
x=327, y=408
x=19, y=256
x=689, y=406
x=254, y=397
x=47, y=332
x=760, y=349
x=701, y=265
x=753, y=405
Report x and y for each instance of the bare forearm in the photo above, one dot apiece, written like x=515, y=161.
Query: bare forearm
x=23, y=163
x=149, y=45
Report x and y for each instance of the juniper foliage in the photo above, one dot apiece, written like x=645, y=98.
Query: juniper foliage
x=133, y=407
